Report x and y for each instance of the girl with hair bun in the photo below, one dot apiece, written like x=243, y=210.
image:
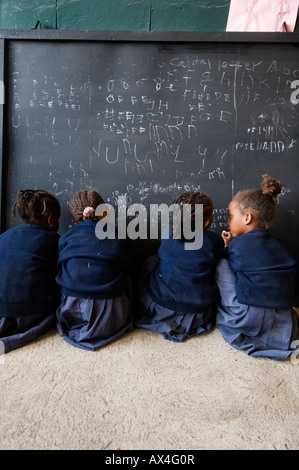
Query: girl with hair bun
x=257, y=280
x=95, y=306
x=29, y=294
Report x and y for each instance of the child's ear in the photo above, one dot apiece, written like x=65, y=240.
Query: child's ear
x=52, y=221
x=208, y=223
x=248, y=218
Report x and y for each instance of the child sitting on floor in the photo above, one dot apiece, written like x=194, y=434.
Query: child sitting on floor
x=93, y=274
x=180, y=295
x=29, y=295
x=257, y=281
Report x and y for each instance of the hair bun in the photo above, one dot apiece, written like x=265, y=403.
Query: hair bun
x=271, y=187
x=88, y=213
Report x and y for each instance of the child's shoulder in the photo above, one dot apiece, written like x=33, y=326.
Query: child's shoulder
x=213, y=236
x=213, y=242
x=253, y=237
x=31, y=231
x=29, y=239
x=73, y=229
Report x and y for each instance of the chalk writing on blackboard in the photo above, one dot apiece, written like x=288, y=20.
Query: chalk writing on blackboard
x=150, y=121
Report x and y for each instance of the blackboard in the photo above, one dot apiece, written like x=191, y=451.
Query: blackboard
x=150, y=115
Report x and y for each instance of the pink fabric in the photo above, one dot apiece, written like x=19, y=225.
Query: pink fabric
x=262, y=15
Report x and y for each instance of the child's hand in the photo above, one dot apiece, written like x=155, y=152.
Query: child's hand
x=226, y=237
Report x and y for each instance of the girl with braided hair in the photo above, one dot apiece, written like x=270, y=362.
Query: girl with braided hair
x=179, y=294
x=95, y=306
x=29, y=294
x=257, y=280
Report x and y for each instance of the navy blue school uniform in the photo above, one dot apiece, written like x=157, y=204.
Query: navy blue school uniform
x=257, y=285
x=94, y=276
x=29, y=294
x=179, y=295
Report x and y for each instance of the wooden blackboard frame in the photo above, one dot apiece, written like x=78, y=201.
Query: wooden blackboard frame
x=152, y=36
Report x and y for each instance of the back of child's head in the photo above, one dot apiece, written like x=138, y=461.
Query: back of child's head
x=83, y=204
x=192, y=198
x=261, y=201
x=35, y=206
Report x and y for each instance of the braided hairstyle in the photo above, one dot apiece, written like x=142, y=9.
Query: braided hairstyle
x=261, y=201
x=191, y=198
x=83, y=204
x=34, y=206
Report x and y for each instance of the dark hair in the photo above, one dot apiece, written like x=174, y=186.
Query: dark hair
x=192, y=198
x=34, y=206
x=81, y=200
x=261, y=201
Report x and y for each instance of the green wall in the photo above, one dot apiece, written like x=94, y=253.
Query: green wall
x=125, y=15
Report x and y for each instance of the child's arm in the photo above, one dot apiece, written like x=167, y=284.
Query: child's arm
x=226, y=236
